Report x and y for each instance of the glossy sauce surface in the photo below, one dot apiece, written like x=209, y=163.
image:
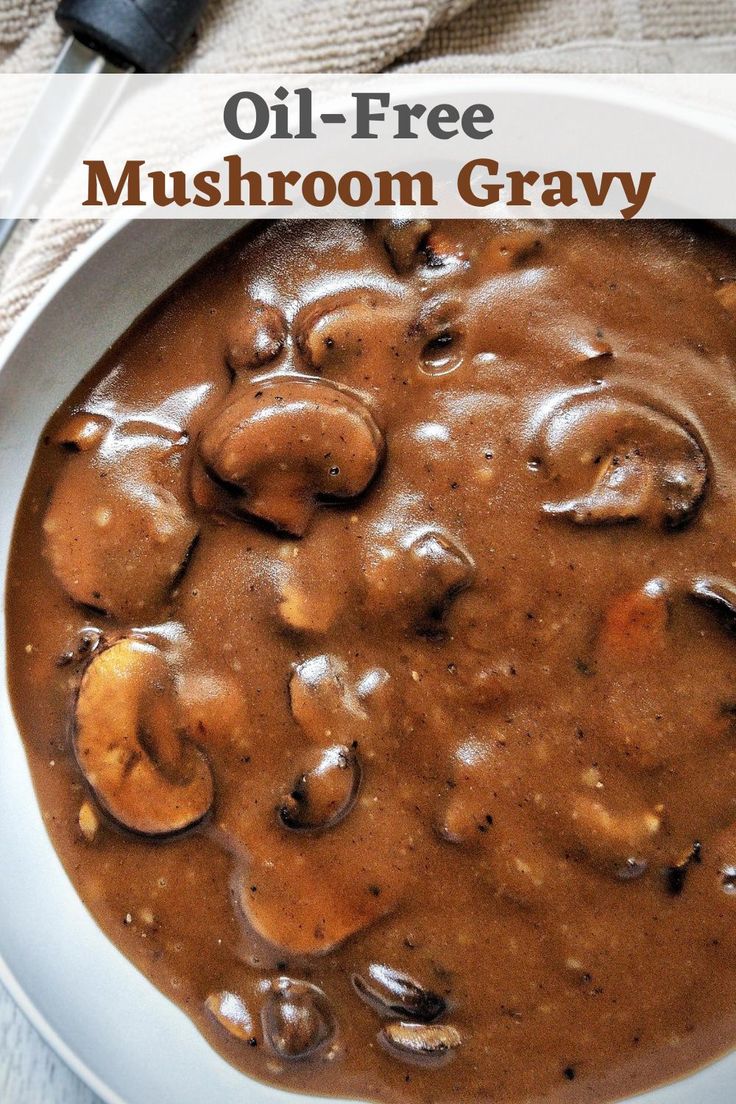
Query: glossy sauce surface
x=372, y=633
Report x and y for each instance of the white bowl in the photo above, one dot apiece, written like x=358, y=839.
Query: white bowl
x=123, y=1037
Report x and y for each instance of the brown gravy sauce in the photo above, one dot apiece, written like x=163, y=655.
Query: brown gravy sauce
x=372, y=633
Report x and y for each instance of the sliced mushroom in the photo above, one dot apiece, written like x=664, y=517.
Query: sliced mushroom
x=256, y=338
x=129, y=744
x=304, y=610
x=324, y=703
x=82, y=432
x=325, y=793
x=420, y=1043
x=465, y=816
x=119, y=528
x=403, y=239
x=283, y=444
x=441, y=329
x=616, y=460
x=392, y=993
x=339, y=331
x=421, y=572
x=718, y=596
x=297, y=1019
x=291, y=905
x=233, y=1014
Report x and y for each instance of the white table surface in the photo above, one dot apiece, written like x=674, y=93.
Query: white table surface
x=30, y=1073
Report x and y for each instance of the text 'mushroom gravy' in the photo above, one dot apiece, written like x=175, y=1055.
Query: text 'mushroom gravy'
x=372, y=634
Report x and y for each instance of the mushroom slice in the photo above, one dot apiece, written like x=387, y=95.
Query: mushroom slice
x=323, y=702
x=282, y=444
x=420, y=1043
x=297, y=1019
x=119, y=529
x=422, y=572
x=130, y=747
x=82, y=431
x=617, y=460
x=718, y=596
x=403, y=239
x=256, y=337
x=392, y=993
x=305, y=905
x=338, y=332
x=325, y=793
x=233, y=1014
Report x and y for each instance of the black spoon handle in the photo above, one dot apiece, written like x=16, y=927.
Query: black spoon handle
x=139, y=34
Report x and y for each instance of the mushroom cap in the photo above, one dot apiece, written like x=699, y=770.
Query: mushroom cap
x=323, y=699
x=297, y=1019
x=393, y=993
x=403, y=239
x=256, y=337
x=282, y=443
x=419, y=574
x=119, y=527
x=130, y=748
x=617, y=459
x=325, y=792
x=420, y=1043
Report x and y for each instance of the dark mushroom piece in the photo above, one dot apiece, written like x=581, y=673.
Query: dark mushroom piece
x=256, y=337
x=297, y=1019
x=440, y=326
x=619, y=460
x=282, y=445
x=676, y=874
x=325, y=793
x=128, y=743
x=323, y=701
x=419, y=1043
x=392, y=993
x=403, y=240
x=421, y=573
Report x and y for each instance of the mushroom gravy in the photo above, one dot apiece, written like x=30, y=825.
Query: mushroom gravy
x=372, y=634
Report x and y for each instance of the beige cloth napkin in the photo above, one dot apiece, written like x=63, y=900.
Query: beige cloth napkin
x=370, y=35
